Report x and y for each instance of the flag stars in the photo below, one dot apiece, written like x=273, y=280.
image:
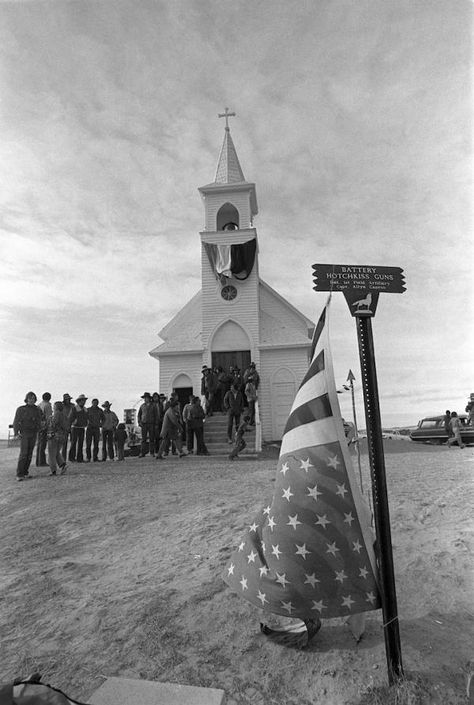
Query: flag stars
x=243, y=582
x=340, y=576
x=263, y=570
x=261, y=596
x=284, y=469
x=267, y=510
x=306, y=465
x=313, y=492
x=341, y=490
x=242, y=546
x=251, y=557
x=282, y=579
x=276, y=551
x=322, y=521
x=363, y=572
x=332, y=548
x=347, y=601
x=287, y=494
x=333, y=462
x=302, y=551
x=319, y=606
x=311, y=580
x=271, y=522
x=253, y=527
x=293, y=521
x=287, y=606
x=356, y=546
x=230, y=569
x=348, y=519
x=370, y=597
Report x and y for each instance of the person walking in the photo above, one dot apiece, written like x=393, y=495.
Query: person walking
x=234, y=405
x=147, y=421
x=26, y=424
x=47, y=411
x=78, y=430
x=171, y=430
x=108, y=427
x=455, y=424
x=56, y=432
x=95, y=419
x=69, y=413
x=240, y=444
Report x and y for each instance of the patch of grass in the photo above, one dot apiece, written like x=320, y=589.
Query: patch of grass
x=407, y=691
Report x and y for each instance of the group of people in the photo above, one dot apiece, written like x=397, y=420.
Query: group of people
x=230, y=392
x=51, y=427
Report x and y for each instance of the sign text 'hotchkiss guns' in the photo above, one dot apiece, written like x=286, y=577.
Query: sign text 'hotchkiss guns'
x=360, y=284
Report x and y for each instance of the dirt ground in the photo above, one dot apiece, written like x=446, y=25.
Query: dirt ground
x=115, y=569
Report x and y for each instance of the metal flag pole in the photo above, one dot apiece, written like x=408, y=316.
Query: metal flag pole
x=383, y=548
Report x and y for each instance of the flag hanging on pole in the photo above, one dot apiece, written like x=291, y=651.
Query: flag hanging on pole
x=309, y=553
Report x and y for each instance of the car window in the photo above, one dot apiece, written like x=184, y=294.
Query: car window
x=428, y=423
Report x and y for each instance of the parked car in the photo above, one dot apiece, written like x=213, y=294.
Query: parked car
x=432, y=430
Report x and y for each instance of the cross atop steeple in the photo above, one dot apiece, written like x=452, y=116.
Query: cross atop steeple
x=226, y=115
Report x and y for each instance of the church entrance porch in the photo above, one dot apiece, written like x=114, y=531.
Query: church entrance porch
x=234, y=358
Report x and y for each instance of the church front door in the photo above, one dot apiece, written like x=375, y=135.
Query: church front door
x=234, y=358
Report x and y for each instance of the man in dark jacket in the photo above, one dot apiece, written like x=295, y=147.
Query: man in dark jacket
x=234, y=405
x=147, y=421
x=95, y=419
x=78, y=430
x=28, y=421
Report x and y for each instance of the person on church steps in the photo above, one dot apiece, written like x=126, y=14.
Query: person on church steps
x=233, y=405
x=78, y=429
x=171, y=430
x=240, y=444
x=56, y=431
x=252, y=370
x=224, y=380
x=251, y=395
x=47, y=410
x=95, y=419
x=69, y=413
x=147, y=421
x=108, y=428
x=26, y=424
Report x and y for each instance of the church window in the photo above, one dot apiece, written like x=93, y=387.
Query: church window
x=228, y=217
x=228, y=292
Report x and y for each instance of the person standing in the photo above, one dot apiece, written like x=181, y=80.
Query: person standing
x=56, y=432
x=251, y=394
x=69, y=413
x=447, y=423
x=211, y=388
x=109, y=425
x=171, y=430
x=47, y=411
x=234, y=405
x=158, y=404
x=147, y=422
x=120, y=438
x=26, y=424
x=78, y=430
x=188, y=424
x=196, y=422
x=252, y=370
x=95, y=419
x=456, y=429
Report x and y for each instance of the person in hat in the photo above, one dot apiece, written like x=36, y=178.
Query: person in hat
x=26, y=424
x=78, y=430
x=147, y=421
x=95, y=419
x=109, y=425
x=172, y=429
x=47, y=410
x=69, y=416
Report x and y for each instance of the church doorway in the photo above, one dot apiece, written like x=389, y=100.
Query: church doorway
x=234, y=358
x=183, y=394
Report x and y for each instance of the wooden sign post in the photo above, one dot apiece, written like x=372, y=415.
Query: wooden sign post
x=361, y=286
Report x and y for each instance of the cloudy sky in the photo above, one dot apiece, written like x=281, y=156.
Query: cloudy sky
x=353, y=119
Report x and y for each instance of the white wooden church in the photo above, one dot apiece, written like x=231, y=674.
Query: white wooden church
x=236, y=317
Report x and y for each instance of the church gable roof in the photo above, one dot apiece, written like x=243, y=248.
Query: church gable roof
x=284, y=313
x=183, y=332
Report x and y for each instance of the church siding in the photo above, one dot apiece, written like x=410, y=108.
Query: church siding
x=281, y=312
x=173, y=365
x=214, y=201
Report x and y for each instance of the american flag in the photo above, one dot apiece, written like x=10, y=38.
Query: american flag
x=309, y=553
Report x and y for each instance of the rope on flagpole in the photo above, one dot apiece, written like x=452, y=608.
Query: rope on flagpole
x=394, y=619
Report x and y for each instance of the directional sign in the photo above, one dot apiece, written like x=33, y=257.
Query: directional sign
x=360, y=284
x=343, y=277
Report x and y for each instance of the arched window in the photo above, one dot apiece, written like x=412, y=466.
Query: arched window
x=227, y=217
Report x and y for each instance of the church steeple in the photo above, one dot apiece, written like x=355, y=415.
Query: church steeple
x=228, y=169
